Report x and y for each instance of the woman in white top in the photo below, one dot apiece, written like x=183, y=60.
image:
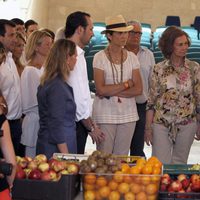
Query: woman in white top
x=118, y=81
x=36, y=50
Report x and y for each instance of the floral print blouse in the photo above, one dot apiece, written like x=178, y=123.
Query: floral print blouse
x=174, y=94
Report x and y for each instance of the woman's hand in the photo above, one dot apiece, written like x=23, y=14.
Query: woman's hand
x=97, y=135
x=148, y=137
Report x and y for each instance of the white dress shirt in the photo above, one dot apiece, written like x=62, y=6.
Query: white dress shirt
x=78, y=80
x=10, y=87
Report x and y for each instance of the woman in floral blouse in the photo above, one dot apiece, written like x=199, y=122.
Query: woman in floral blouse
x=173, y=107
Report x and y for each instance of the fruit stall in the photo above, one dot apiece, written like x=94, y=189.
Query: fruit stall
x=103, y=176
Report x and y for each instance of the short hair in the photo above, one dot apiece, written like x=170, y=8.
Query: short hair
x=167, y=39
x=73, y=21
x=33, y=41
x=17, y=21
x=3, y=23
x=56, y=63
x=133, y=22
x=20, y=36
x=29, y=23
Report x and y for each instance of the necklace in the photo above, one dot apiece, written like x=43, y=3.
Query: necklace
x=114, y=70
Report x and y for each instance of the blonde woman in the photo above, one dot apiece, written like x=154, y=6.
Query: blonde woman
x=57, y=108
x=118, y=81
x=18, y=51
x=36, y=51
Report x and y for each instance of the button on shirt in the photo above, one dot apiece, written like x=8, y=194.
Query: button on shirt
x=10, y=87
x=147, y=61
x=78, y=80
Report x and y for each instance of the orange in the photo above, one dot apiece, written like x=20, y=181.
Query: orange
x=155, y=179
x=113, y=185
x=135, y=170
x=141, y=196
x=147, y=169
x=90, y=179
x=104, y=191
x=125, y=168
x=129, y=196
x=151, y=189
x=158, y=164
x=118, y=176
x=156, y=170
x=97, y=195
x=135, y=188
x=101, y=181
x=89, y=195
x=152, y=197
x=114, y=195
x=145, y=180
x=123, y=188
x=141, y=161
x=128, y=179
x=137, y=179
x=87, y=186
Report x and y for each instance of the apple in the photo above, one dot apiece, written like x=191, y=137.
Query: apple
x=195, y=187
x=185, y=183
x=53, y=174
x=181, y=177
x=163, y=187
x=18, y=158
x=73, y=168
x=46, y=176
x=51, y=162
x=23, y=162
x=58, y=166
x=40, y=158
x=195, y=178
x=165, y=179
x=64, y=172
x=43, y=166
x=27, y=171
x=28, y=158
x=170, y=189
x=20, y=173
x=32, y=165
x=35, y=174
x=176, y=186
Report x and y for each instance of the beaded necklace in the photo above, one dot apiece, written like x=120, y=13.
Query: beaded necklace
x=114, y=70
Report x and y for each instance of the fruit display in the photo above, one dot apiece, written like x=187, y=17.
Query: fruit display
x=195, y=167
x=106, y=176
x=39, y=168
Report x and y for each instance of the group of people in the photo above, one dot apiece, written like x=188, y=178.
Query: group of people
x=46, y=98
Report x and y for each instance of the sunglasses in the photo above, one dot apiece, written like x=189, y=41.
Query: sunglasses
x=135, y=32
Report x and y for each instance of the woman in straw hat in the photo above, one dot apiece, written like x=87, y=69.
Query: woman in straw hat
x=118, y=81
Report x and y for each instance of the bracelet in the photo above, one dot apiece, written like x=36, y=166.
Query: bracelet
x=126, y=85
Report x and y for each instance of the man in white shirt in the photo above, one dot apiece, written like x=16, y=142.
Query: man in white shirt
x=79, y=29
x=10, y=83
x=147, y=61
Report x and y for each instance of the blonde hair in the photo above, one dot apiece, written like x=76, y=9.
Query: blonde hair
x=34, y=40
x=56, y=62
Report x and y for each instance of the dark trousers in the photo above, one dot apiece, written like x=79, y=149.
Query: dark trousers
x=81, y=135
x=16, y=132
x=137, y=143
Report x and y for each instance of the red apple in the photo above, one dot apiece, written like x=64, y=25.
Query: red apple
x=188, y=190
x=51, y=162
x=165, y=179
x=181, y=177
x=73, y=168
x=23, y=162
x=27, y=171
x=20, y=174
x=170, y=189
x=35, y=174
x=195, y=178
x=53, y=174
x=195, y=187
x=58, y=166
x=43, y=166
x=176, y=186
x=185, y=183
x=163, y=187
x=46, y=176
x=32, y=165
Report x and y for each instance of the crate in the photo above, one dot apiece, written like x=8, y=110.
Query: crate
x=64, y=189
x=125, y=186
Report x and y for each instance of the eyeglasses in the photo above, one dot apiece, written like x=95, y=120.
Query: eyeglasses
x=135, y=32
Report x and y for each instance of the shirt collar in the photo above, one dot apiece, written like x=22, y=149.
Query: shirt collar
x=169, y=64
x=79, y=50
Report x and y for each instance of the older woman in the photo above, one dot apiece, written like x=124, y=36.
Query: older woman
x=57, y=109
x=118, y=81
x=36, y=50
x=173, y=107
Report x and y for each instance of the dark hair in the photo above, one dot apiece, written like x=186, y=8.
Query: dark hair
x=108, y=32
x=167, y=39
x=73, y=21
x=3, y=23
x=17, y=21
x=29, y=23
x=51, y=33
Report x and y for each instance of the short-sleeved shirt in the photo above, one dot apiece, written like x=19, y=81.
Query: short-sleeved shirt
x=110, y=110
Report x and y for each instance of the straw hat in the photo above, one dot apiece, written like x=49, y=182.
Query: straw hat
x=116, y=23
